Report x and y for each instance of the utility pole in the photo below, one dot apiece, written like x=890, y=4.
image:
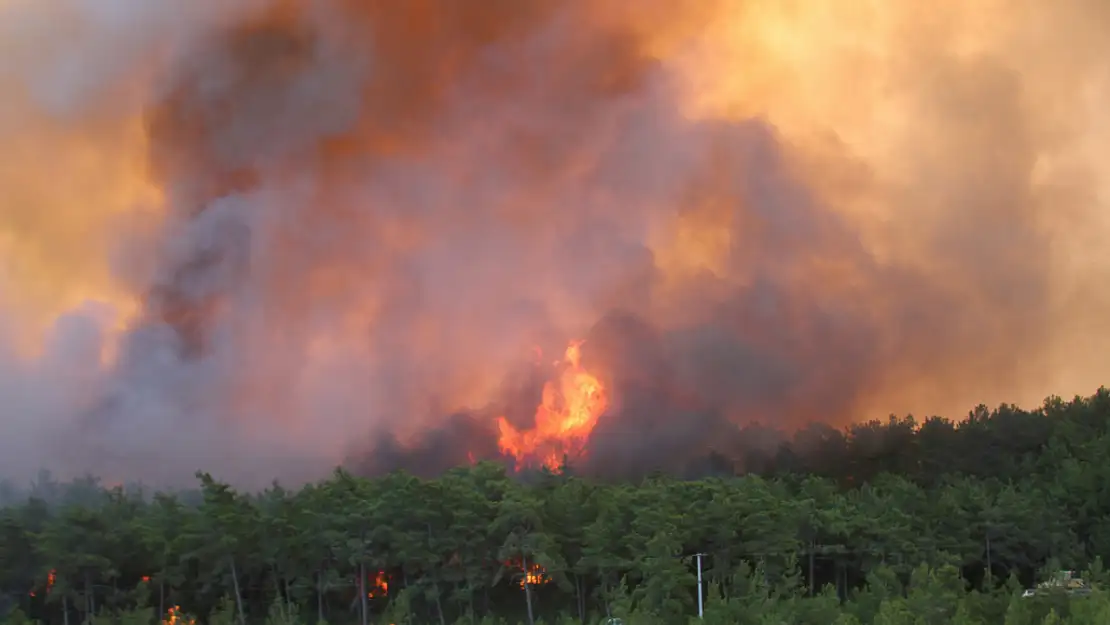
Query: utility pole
x=701, y=605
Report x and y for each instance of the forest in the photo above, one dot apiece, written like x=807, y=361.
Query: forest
x=888, y=522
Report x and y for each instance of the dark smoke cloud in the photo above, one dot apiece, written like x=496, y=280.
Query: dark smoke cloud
x=370, y=212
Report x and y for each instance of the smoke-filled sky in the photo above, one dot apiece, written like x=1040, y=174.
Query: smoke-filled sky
x=250, y=236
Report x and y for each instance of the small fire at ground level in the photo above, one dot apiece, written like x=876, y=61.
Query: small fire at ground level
x=378, y=585
x=175, y=617
x=534, y=576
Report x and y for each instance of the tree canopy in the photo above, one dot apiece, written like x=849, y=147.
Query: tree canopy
x=885, y=522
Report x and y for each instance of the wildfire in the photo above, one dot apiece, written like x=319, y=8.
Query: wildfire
x=570, y=409
x=535, y=575
x=174, y=617
x=379, y=585
x=51, y=577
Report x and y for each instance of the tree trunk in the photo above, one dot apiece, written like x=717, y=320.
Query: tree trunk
x=605, y=596
x=289, y=607
x=65, y=610
x=989, y=567
x=162, y=596
x=812, y=567
x=439, y=607
x=363, y=603
x=439, y=604
x=278, y=597
x=238, y=595
x=320, y=597
x=90, y=604
x=527, y=590
x=580, y=591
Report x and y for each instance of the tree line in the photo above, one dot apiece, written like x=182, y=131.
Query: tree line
x=883, y=522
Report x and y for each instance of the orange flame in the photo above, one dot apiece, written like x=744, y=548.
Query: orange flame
x=174, y=617
x=535, y=575
x=568, y=413
x=379, y=585
x=51, y=577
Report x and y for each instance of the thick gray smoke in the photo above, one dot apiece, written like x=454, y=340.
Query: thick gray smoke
x=367, y=214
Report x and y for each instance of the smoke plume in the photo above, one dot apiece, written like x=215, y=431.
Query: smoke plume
x=264, y=236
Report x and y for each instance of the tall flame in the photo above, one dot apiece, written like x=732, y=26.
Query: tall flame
x=570, y=409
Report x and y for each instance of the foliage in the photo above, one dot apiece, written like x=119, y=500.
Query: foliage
x=887, y=523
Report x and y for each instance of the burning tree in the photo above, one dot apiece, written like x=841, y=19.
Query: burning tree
x=571, y=407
